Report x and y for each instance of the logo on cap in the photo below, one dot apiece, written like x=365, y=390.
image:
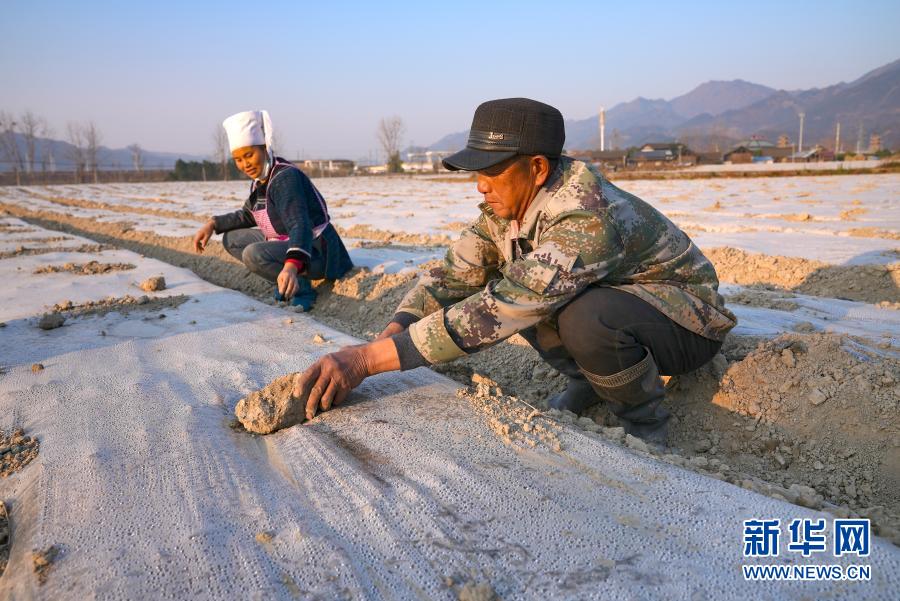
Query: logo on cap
x=493, y=136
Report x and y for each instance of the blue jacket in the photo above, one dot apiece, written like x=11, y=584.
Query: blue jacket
x=295, y=207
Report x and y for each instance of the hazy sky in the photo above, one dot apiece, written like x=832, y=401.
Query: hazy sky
x=165, y=74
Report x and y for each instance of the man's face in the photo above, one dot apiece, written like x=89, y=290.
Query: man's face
x=508, y=187
x=250, y=160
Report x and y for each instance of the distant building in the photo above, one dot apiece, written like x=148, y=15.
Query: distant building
x=758, y=145
x=425, y=161
x=874, y=143
x=662, y=154
x=739, y=156
x=605, y=160
x=757, y=150
x=784, y=141
x=710, y=158
x=372, y=169
x=813, y=155
x=326, y=167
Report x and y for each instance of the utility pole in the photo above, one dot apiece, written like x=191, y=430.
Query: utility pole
x=800, y=141
x=602, y=129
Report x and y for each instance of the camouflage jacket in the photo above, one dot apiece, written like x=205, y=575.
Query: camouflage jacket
x=501, y=277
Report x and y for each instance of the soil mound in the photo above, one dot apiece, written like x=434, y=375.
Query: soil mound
x=16, y=451
x=89, y=268
x=866, y=283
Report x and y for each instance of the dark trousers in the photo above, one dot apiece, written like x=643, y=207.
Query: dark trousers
x=266, y=258
x=605, y=331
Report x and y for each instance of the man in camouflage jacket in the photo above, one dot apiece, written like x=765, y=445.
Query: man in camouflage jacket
x=607, y=289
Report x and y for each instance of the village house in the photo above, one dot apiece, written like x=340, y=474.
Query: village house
x=425, y=161
x=326, y=167
x=662, y=154
x=605, y=160
x=757, y=150
x=813, y=155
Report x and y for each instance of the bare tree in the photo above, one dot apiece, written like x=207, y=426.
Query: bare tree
x=32, y=127
x=9, y=144
x=220, y=144
x=76, y=152
x=390, y=131
x=92, y=146
x=137, y=157
x=48, y=161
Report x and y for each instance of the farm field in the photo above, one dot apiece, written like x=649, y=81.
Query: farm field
x=801, y=406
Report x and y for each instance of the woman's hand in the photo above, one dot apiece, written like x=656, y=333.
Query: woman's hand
x=330, y=379
x=203, y=235
x=287, y=281
x=391, y=329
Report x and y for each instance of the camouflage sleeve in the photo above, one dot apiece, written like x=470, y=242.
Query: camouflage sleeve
x=576, y=250
x=471, y=261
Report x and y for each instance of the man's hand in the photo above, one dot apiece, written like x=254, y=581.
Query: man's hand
x=203, y=235
x=330, y=379
x=391, y=329
x=287, y=281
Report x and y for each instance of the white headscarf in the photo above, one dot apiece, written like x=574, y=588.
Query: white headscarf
x=249, y=128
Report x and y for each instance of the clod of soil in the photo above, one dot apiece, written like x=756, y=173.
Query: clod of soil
x=480, y=591
x=264, y=537
x=51, y=321
x=16, y=451
x=36, y=367
x=272, y=408
x=4, y=537
x=510, y=419
x=42, y=562
x=89, y=268
x=153, y=284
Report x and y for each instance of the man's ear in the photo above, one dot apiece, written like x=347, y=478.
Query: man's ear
x=540, y=168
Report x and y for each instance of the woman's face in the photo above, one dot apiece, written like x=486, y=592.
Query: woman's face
x=250, y=159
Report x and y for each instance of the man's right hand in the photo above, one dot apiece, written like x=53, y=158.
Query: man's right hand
x=391, y=329
x=203, y=235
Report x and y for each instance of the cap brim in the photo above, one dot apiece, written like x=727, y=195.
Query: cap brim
x=470, y=159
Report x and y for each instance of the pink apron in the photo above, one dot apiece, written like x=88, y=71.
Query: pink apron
x=261, y=216
x=262, y=220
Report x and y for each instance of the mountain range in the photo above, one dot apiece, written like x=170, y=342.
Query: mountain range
x=58, y=154
x=719, y=114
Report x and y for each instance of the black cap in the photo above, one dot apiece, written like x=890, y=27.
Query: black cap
x=503, y=128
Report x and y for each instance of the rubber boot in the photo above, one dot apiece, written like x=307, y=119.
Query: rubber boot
x=305, y=296
x=579, y=395
x=634, y=396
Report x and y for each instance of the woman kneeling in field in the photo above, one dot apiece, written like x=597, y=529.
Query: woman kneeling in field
x=283, y=232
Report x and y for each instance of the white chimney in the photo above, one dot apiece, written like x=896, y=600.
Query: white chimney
x=602, y=129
